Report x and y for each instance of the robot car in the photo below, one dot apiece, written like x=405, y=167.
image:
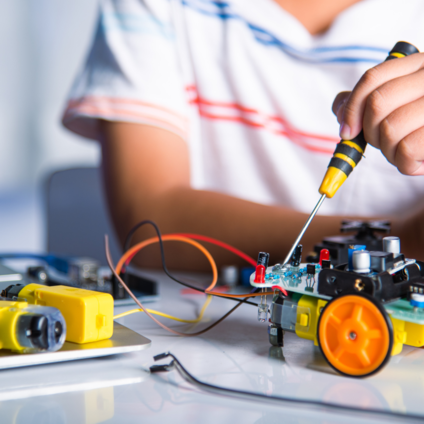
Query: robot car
x=360, y=302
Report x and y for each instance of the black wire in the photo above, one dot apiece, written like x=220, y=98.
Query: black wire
x=162, y=253
x=258, y=397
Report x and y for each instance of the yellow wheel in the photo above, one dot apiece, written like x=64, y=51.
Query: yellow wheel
x=355, y=335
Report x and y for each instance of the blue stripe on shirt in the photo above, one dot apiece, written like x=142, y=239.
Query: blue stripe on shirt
x=222, y=10
x=138, y=23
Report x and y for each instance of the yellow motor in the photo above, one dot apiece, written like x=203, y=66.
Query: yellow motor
x=88, y=314
x=30, y=328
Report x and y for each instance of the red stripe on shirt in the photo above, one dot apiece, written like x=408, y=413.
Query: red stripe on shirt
x=207, y=109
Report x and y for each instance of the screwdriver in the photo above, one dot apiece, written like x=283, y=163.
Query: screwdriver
x=347, y=155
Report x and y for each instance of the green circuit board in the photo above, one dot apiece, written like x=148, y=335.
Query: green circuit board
x=400, y=309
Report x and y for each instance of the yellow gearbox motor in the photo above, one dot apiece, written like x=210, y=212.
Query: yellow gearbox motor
x=88, y=314
x=30, y=328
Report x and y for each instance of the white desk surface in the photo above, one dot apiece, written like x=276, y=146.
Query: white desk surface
x=235, y=354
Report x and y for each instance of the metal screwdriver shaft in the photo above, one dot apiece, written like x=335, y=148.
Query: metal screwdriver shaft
x=305, y=227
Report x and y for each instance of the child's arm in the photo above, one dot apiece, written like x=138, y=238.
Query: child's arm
x=388, y=103
x=147, y=176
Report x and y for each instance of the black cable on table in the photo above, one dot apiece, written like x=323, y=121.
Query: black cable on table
x=275, y=400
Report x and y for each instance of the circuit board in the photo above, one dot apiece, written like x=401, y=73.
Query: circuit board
x=298, y=282
x=302, y=283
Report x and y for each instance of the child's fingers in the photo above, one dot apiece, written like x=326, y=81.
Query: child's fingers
x=385, y=100
x=338, y=103
x=354, y=108
x=409, y=156
x=397, y=127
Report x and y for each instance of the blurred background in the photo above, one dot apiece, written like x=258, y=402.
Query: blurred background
x=43, y=44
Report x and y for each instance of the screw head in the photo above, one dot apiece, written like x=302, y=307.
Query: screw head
x=359, y=285
x=352, y=335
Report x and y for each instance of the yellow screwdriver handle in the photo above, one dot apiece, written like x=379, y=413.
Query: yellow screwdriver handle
x=348, y=153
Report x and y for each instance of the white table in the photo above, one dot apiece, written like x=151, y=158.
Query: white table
x=236, y=354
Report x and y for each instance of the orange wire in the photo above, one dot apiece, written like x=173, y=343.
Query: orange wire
x=133, y=250
x=152, y=240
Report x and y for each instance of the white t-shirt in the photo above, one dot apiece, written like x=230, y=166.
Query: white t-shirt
x=250, y=91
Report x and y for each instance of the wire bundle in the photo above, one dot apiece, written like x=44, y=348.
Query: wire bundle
x=186, y=238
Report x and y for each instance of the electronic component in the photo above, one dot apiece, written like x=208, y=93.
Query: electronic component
x=361, y=261
x=88, y=314
x=391, y=245
x=325, y=264
x=140, y=285
x=418, y=298
x=324, y=255
x=310, y=269
x=297, y=256
x=310, y=277
x=263, y=311
x=261, y=266
x=417, y=301
x=351, y=250
x=30, y=328
x=381, y=261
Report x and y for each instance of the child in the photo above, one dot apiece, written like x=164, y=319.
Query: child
x=214, y=117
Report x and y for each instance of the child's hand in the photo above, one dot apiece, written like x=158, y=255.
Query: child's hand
x=388, y=103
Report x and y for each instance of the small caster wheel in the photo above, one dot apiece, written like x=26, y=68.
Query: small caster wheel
x=276, y=335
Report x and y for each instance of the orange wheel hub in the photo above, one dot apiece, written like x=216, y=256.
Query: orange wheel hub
x=355, y=335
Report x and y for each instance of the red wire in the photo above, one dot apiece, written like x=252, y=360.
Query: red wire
x=232, y=249
x=226, y=246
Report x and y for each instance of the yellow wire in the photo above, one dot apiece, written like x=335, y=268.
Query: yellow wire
x=189, y=321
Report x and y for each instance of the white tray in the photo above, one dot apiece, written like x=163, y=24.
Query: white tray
x=123, y=340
